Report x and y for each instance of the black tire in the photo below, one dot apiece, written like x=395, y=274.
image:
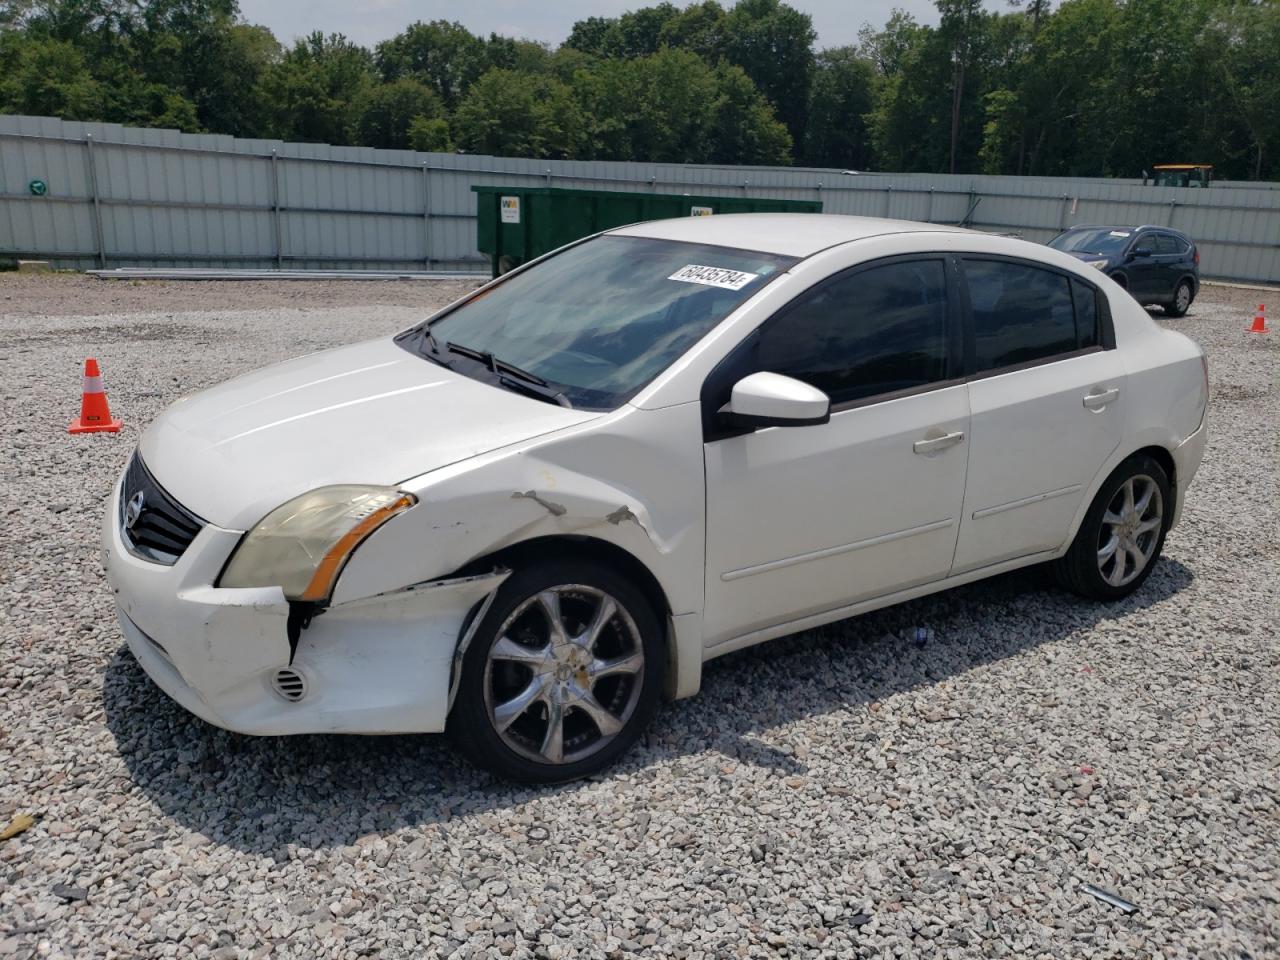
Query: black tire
x=1080, y=569
x=473, y=727
x=1178, y=307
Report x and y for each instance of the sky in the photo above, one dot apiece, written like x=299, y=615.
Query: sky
x=368, y=21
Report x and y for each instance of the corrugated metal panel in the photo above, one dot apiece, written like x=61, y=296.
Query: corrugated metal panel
x=168, y=198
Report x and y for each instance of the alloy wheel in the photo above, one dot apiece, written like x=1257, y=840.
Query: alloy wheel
x=564, y=674
x=1130, y=530
x=1183, y=297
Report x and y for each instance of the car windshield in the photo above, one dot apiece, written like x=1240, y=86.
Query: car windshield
x=1101, y=240
x=592, y=325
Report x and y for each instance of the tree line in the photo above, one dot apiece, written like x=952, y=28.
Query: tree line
x=1084, y=88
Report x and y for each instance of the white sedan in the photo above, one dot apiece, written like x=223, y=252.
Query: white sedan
x=532, y=516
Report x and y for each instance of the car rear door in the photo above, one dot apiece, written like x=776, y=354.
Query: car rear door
x=803, y=520
x=1046, y=393
x=1169, y=256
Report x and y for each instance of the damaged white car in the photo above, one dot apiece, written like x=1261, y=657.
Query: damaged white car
x=533, y=515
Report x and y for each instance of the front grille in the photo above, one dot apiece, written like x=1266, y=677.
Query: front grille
x=155, y=526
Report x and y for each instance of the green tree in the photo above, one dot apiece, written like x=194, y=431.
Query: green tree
x=523, y=56
x=315, y=88
x=430, y=134
x=444, y=55
x=1242, y=41
x=1001, y=133
x=47, y=77
x=511, y=114
x=843, y=93
x=385, y=111
x=744, y=129
x=673, y=108
x=591, y=35
x=910, y=123
x=698, y=28
x=961, y=19
x=773, y=43
x=887, y=48
x=639, y=33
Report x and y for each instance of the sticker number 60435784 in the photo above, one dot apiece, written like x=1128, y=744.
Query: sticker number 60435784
x=713, y=276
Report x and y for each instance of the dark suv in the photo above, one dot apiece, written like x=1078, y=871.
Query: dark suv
x=1156, y=265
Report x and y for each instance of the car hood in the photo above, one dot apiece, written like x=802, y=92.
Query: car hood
x=368, y=413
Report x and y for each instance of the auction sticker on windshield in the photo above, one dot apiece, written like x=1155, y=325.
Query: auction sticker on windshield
x=713, y=276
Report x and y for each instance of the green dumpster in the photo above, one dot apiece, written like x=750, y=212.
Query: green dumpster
x=517, y=224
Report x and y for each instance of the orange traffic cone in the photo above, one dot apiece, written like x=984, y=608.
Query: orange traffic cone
x=95, y=417
x=1260, y=321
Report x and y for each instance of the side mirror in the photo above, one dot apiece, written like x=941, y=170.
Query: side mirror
x=1139, y=252
x=772, y=400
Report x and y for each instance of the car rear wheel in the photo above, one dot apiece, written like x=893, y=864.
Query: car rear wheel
x=1119, y=541
x=1181, y=300
x=561, y=677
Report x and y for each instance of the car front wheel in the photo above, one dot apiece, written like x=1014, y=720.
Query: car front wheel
x=1119, y=541
x=561, y=677
x=1181, y=300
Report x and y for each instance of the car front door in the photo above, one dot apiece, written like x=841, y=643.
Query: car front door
x=1046, y=391
x=1142, y=268
x=804, y=520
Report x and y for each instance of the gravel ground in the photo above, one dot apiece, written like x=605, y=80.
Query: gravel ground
x=77, y=294
x=845, y=792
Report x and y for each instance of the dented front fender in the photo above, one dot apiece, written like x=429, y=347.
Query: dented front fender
x=633, y=479
x=632, y=487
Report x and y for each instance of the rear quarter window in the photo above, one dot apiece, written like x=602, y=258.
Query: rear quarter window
x=1088, y=316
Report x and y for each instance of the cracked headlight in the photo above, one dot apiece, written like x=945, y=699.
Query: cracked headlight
x=303, y=545
x=1098, y=264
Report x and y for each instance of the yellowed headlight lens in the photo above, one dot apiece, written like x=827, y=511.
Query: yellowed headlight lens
x=303, y=545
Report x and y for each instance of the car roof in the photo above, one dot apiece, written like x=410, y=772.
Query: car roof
x=786, y=234
x=1131, y=229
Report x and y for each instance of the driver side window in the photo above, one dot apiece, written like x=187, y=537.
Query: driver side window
x=871, y=332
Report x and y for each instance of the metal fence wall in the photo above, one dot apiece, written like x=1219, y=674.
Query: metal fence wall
x=132, y=196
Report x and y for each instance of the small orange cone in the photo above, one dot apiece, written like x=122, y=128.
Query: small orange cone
x=1260, y=321
x=95, y=416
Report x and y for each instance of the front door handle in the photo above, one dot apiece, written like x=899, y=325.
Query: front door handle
x=1096, y=401
x=934, y=444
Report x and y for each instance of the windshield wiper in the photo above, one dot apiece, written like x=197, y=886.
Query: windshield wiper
x=511, y=376
x=550, y=394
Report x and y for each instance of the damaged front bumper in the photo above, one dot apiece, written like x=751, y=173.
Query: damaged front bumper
x=377, y=665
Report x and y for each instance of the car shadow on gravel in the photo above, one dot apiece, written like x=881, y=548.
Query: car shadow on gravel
x=265, y=795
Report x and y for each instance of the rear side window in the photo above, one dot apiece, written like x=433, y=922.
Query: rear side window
x=1166, y=244
x=1020, y=313
x=872, y=332
x=1088, y=332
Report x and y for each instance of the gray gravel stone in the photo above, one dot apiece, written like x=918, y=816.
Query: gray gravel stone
x=847, y=792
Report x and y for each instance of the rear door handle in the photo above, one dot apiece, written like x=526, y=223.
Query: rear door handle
x=1096, y=401
x=934, y=444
